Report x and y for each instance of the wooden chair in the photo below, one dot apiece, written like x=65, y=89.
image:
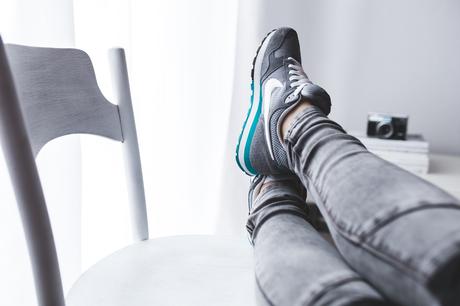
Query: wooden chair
x=46, y=93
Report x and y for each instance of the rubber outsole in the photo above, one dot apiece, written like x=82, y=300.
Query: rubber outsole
x=241, y=160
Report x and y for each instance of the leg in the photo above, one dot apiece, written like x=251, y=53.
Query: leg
x=399, y=231
x=294, y=265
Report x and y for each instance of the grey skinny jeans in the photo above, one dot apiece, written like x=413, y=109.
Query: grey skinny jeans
x=399, y=233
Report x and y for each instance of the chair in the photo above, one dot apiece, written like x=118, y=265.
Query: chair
x=47, y=93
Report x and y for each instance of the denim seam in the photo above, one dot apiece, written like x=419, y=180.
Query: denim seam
x=282, y=194
x=309, y=179
x=419, y=283
x=307, y=175
x=282, y=199
x=264, y=219
x=315, y=294
x=388, y=256
x=259, y=277
x=330, y=284
x=451, y=248
x=404, y=258
x=262, y=291
x=390, y=216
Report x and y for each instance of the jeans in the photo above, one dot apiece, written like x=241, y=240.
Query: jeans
x=398, y=236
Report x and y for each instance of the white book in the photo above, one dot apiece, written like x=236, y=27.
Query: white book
x=416, y=170
x=416, y=159
x=414, y=143
x=417, y=163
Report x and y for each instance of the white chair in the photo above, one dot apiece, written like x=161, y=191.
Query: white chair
x=46, y=93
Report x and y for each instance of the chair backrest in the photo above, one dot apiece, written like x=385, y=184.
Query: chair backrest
x=46, y=93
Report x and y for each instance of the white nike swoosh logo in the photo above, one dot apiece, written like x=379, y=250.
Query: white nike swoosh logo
x=269, y=87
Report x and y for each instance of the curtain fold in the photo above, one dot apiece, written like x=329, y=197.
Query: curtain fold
x=181, y=60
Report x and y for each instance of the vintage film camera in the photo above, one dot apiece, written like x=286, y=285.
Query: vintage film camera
x=387, y=126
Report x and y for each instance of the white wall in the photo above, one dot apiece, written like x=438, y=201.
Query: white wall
x=41, y=23
x=388, y=56
x=180, y=60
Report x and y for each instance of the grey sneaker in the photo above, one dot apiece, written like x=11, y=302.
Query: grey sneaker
x=278, y=84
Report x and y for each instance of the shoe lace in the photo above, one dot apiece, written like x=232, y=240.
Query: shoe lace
x=298, y=77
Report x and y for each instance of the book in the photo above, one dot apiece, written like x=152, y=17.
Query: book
x=413, y=143
x=414, y=169
x=418, y=159
x=410, y=154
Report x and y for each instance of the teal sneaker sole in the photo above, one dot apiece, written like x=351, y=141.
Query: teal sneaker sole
x=243, y=146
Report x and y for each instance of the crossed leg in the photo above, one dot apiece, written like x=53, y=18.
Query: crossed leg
x=401, y=233
x=294, y=265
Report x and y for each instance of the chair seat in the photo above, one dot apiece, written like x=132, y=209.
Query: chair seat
x=176, y=271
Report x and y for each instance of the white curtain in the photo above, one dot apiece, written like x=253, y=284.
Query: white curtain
x=181, y=61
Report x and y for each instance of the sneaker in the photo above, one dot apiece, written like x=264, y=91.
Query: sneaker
x=278, y=84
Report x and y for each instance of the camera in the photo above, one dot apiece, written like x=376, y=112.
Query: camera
x=387, y=126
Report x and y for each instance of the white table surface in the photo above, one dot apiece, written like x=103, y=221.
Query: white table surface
x=444, y=172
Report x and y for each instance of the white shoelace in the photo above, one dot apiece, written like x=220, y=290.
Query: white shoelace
x=298, y=78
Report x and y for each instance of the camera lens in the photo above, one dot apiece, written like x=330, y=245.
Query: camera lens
x=384, y=129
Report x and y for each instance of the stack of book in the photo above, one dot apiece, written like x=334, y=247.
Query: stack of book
x=410, y=154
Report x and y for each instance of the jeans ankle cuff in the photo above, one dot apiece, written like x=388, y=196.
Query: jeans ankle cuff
x=296, y=125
